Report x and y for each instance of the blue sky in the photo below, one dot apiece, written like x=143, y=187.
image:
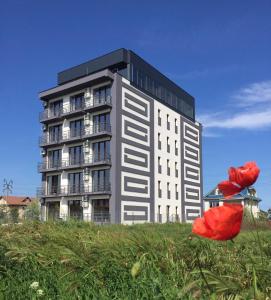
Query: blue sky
x=219, y=51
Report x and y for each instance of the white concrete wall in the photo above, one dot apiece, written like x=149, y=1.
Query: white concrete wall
x=163, y=177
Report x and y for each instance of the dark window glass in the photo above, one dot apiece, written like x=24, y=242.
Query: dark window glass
x=55, y=133
x=101, y=151
x=75, y=182
x=101, y=180
x=76, y=128
x=101, y=122
x=76, y=102
x=76, y=155
x=102, y=95
x=53, y=184
x=56, y=108
x=54, y=158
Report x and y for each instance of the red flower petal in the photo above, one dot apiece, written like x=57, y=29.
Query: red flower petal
x=228, y=188
x=239, y=178
x=245, y=175
x=220, y=223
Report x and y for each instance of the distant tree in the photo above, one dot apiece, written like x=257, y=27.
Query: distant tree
x=3, y=215
x=32, y=211
x=14, y=215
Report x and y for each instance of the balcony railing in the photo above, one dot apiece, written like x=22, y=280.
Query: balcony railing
x=73, y=190
x=48, y=139
x=96, y=217
x=49, y=114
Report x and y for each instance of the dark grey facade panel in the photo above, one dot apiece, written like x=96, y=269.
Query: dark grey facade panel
x=115, y=59
x=133, y=173
x=125, y=62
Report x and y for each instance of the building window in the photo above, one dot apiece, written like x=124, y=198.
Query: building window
x=159, y=117
x=55, y=133
x=76, y=155
x=159, y=165
x=168, y=191
x=159, y=217
x=53, y=184
x=168, y=123
x=214, y=203
x=76, y=102
x=101, y=122
x=176, y=148
x=100, y=180
x=101, y=151
x=168, y=146
x=56, y=108
x=168, y=167
x=176, y=169
x=144, y=81
x=176, y=192
x=54, y=158
x=75, y=183
x=167, y=213
x=176, y=126
x=102, y=95
x=159, y=189
x=159, y=141
x=76, y=128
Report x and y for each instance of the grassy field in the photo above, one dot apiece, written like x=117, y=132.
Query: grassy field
x=83, y=261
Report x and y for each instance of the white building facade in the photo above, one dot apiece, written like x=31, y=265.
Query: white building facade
x=120, y=144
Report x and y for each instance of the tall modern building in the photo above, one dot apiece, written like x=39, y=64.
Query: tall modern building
x=120, y=144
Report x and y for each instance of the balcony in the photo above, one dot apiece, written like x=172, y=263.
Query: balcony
x=67, y=110
x=70, y=136
x=72, y=190
x=98, y=218
x=74, y=163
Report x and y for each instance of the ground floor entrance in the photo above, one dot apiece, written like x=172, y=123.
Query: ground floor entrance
x=75, y=209
x=53, y=209
x=100, y=209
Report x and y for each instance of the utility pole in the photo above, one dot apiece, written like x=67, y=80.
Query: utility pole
x=7, y=187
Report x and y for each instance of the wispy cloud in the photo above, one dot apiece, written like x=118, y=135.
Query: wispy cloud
x=256, y=93
x=251, y=112
x=246, y=120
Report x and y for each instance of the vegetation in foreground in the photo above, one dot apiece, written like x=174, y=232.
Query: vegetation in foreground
x=77, y=260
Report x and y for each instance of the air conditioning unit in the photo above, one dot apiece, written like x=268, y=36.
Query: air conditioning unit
x=87, y=93
x=84, y=202
x=44, y=127
x=87, y=116
x=86, y=150
x=87, y=143
x=87, y=171
x=86, y=177
x=85, y=198
x=43, y=152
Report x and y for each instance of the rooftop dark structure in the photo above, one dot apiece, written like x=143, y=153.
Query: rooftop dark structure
x=141, y=75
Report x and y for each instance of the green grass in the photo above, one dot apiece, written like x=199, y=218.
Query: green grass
x=83, y=261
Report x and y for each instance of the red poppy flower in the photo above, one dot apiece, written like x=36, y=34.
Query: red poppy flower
x=239, y=178
x=220, y=223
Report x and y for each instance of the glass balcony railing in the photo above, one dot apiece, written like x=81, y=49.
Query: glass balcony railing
x=69, y=109
x=48, y=139
x=73, y=190
x=66, y=163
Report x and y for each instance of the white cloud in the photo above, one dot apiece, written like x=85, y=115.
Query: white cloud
x=246, y=120
x=252, y=112
x=255, y=93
